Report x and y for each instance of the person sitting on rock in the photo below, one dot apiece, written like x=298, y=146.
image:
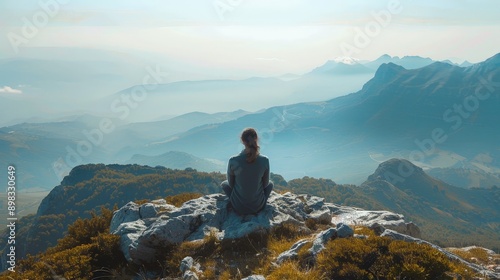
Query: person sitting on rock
x=248, y=186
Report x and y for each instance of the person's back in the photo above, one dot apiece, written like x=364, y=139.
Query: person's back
x=248, y=185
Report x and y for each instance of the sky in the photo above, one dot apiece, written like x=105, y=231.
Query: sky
x=257, y=37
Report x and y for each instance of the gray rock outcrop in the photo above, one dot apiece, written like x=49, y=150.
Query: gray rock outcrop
x=147, y=229
x=374, y=219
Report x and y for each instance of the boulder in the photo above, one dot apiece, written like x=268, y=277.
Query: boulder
x=373, y=219
x=318, y=243
x=293, y=252
x=344, y=230
x=321, y=239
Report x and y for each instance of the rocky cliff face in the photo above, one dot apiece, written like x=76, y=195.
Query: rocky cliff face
x=145, y=229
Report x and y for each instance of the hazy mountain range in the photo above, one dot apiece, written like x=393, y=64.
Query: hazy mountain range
x=439, y=115
x=179, y=160
x=466, y=177
x=43, y=84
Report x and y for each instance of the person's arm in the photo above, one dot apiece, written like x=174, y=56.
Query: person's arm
x=230, y=174
x=265, y=177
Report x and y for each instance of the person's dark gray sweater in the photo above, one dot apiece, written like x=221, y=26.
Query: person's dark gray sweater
x=248, y=181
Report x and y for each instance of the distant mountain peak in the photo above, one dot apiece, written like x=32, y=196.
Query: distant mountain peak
x=395, y=168
x=489, y=65
x=408, y=62
x=494, y=60
x=449, y=62
x=388, y=70
x=466, y=64
x=440, y=65
x=385, y=58
x=346, y=60
x=342, y=66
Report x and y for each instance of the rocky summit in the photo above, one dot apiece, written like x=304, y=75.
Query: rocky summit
x=145, y=230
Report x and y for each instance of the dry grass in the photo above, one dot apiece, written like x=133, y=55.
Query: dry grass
x=179, y=199
x=312, y=224
x=283, y=237
x=359, y=258
x=277, y=246
x=236, y=259
x=283, y=191
x=141, y=201
x=292, y=271
x=475, y=255
x=362, y=230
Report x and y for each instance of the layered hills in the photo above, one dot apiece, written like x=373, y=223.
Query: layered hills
x=438, y=115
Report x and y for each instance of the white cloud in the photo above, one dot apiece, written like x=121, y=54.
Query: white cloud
x=7, y=89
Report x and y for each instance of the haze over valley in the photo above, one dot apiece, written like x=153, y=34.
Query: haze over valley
x=439, y=115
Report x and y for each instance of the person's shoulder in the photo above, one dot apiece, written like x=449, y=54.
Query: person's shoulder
x=233, y=158
x=263, y=157
x=237, y=157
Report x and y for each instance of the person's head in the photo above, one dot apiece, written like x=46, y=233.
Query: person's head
x=250, y=140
